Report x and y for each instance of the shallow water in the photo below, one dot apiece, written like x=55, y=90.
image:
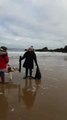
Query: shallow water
x=30, y=99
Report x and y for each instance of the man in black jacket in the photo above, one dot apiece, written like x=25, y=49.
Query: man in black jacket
x=28, y=64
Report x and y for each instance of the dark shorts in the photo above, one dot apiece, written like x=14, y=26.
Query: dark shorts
x=1, y=74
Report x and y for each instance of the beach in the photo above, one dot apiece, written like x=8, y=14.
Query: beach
x=30, y=99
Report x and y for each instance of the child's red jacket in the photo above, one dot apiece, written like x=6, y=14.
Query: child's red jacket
x=4, y=59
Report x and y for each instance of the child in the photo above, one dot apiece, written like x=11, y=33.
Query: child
x=4, y=59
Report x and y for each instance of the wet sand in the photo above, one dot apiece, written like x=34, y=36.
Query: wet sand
x=29, y=99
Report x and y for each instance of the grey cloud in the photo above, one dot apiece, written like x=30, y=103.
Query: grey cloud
x=33, y=22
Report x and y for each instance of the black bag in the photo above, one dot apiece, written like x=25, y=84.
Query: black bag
x=38, y=73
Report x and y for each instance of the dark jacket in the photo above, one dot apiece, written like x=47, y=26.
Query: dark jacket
x=29, y=57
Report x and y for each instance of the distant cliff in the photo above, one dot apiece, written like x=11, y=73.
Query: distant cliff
x=45, y=49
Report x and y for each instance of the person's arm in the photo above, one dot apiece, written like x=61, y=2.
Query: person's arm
x=22, y=57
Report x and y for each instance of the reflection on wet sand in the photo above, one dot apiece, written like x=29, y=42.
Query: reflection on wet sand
x=14, y=96
x=4, y=102
x=29, y=92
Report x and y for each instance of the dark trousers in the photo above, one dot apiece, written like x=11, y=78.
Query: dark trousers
x=2, y=76
x=28, y=70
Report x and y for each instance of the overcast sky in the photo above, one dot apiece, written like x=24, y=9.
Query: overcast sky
x=39, y=23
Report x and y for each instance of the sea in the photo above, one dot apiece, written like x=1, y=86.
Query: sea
x=16, y=54
x=43, y=58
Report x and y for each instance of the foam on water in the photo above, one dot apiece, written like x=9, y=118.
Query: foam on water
x=42, y=54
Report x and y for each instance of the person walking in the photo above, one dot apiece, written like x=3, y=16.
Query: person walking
x=30, y=58
x=4, y=59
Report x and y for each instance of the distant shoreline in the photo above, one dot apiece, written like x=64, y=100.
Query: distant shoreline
x=45, y=49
